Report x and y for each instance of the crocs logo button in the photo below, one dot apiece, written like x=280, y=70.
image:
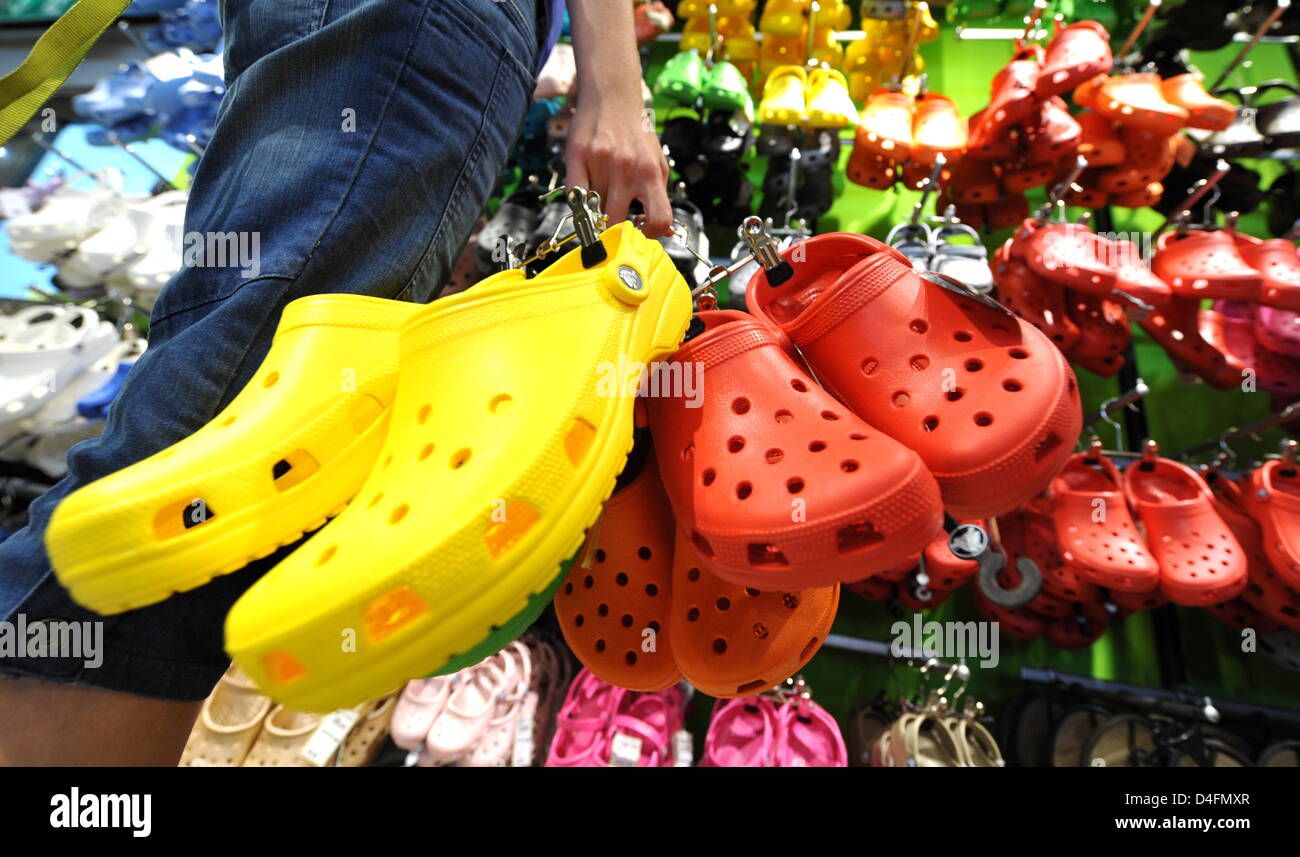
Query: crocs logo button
x=630, y=278
x=968, y=541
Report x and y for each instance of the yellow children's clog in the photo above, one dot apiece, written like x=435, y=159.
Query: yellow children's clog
x=785, y=97
x=287, y=453
x=829, y=104
x=784, y=17
x=513, y=417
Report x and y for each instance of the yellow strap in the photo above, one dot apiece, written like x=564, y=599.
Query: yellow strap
x=56, y=54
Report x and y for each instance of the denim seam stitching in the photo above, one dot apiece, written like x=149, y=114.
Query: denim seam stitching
x=472, y=157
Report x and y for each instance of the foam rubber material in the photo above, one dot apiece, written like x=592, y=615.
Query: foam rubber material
x=777, y=484
x=985, y=399
x=489, y=476
x=1176, y=327
x=1205, y=264
x=1279, y=268
x=1266, y=591
x=1095, y=528
x=288, y=452
x=1136, y=100
x=1274, y=501
x=1075, y=55
x=1203, y=110
x=1012, y=99
x=1201, y=561
x=1038, y=300
x=885, y=127
x=619, y=588
x=1016, y=621
x=732, y=641
x=1067, y=253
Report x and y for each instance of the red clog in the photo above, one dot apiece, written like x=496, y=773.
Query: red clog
x=779, y=486
x=1080, y=631
x=1071, y=255
x=1075, y=55
x=1176, y=326
x=1142, y=197
x=1139, y=600
x=1104, y=333
x=1265, y=592
x=974, y=182
x=619, y=586
x=984, y=398
x=731, y=641
x=1007, y=211
x=1013, y=98
x=1054, y=134
x=1231, y=329
x=1136, y=100
x=1037, y=300
x=871, y=589
x=1016, y=621
x=1099, y=140
x=1201, y=561
x=986, y=142
x=1095, y=529
x=1205, y=264
x=1278, y=266
x=945, y=569
x=1203, y=110
x=1274, y=501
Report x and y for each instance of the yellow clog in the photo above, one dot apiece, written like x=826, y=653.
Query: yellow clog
x=784, y=17
x=287, y=453
x=513, y=417
x=785, y=97
x=829, y=104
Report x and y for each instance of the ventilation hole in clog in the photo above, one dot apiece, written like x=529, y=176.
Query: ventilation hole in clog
x=954, y=395
x=723, y=604
x=390, y=612
x=588, y=582
x=644, y=552
x=630, y=657
x=293, y=469
x=870, y=366
x=809, y=649
x=1011, y=385
x=848, y=465
x=1046, y=446
x=919, y=362
x=930, y=423
x=459, y=459
x=766, y=554
x=974, y=365
x=388, y=459
x=578, y=440
x=692, y=614
x=425, y=452
x=702, y=544
x=720, y=646
x=651, y=589
x=602, y=610
x=396, y=516
x=963, y=336
x=693, y=575
x=516, y=520
x=918, y=326
x=688, y=452
x=228, y=421
x=857, y=436
x=816, y=446
x=749, y=687
x=751, y=592
x=283, y=667
x=327, y=555
x=1019, y=354
x=500, y=403
x=794, y=486
x=773, y=456
x=983, y=419
x=735, y=443
x=621, y=578
x=783, y=417
x=900, y=399
x=709, y=475
x=423, y=416
x=743, y=490
x=857, y=537
x=175, y=518
x=579, y=620
x=740, y=406
x=568, y=588
x=799, y=386
x=830, y=415
x=600, y=646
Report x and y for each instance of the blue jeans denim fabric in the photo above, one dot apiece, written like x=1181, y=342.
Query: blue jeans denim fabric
x=359, y=140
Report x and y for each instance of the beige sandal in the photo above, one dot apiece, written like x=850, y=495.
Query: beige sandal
x=228, y=724
x=923, y=741
x=367, y=737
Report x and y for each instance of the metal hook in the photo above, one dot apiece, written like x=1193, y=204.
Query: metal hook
x=1057, y=193
x=755, y=235
x=1196, y=193
x=1282, y=6
x=913, y=37
x=929, y=187
x=1137, y=31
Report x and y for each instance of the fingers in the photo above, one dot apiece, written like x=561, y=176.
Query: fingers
x=654, y=196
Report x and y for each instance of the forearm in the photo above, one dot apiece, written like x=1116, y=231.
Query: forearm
x=604, y=41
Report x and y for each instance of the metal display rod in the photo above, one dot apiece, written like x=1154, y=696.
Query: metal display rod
x=1210, y=709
